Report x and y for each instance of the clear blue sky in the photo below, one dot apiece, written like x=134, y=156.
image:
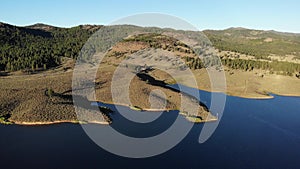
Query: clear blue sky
x=281, y=15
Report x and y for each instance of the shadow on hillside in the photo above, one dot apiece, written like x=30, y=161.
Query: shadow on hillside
x=3, y=74
x=149, y=79
x=81, y=102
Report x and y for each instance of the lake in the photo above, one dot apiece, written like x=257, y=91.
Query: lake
x=252, y=134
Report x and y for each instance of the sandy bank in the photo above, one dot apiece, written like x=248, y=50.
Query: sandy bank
x=58, y=122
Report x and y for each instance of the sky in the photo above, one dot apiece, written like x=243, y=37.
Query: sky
x=210, y=14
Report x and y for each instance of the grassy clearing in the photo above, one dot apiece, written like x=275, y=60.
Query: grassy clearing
x=39, y=98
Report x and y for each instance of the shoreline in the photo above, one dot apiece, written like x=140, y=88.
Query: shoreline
x=58, y=122
x=229, y=93
x=257, y=94
x=212, y=119
x=246, y=96
x=262, y=97
x=142, y=109
x=96, y=122
x=129, y=106
x=195, y=120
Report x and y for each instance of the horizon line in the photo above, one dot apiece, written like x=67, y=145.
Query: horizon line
x=99, y=24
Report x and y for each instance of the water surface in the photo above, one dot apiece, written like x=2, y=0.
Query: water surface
x=251, y=134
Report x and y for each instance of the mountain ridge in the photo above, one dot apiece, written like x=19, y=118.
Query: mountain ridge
x=40, y=24
x=41, y=45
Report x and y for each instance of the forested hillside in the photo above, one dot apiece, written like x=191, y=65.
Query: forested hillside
x=40, y=46
x=260, y=44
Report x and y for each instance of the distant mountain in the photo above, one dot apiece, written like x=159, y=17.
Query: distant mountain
x=257, y=43
x=41, y=26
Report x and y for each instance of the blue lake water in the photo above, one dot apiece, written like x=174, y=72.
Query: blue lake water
x=251, y=134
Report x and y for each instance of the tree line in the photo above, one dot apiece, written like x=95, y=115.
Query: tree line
x=245, y=42
x=285, y=68
x=25, y=48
